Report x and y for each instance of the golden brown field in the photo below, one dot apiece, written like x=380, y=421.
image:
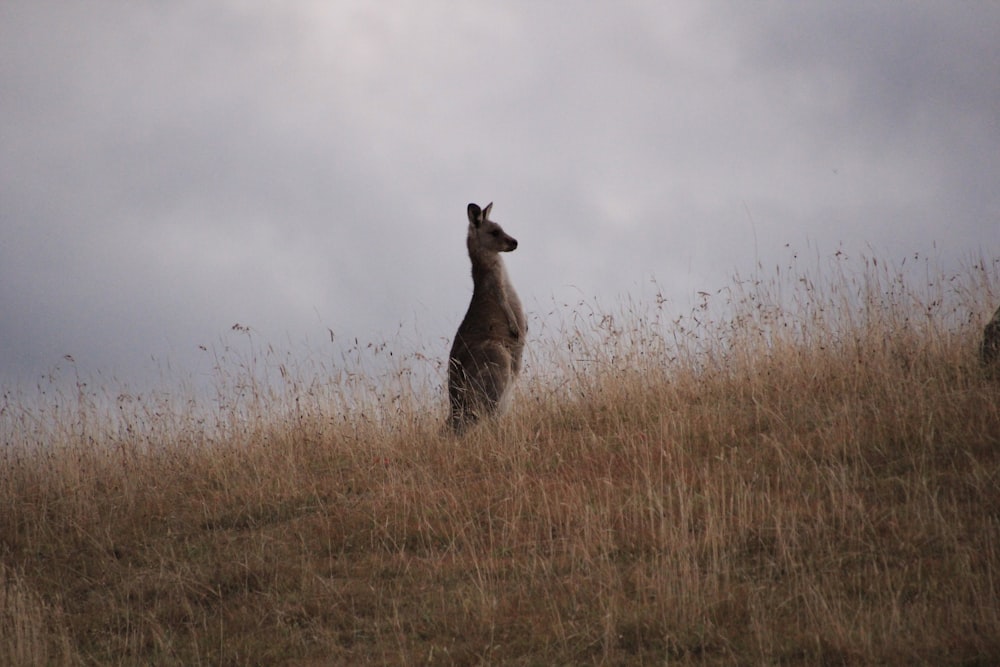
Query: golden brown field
x=800, y=471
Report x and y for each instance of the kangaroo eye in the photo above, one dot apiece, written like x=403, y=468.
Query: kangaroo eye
x=495, y=232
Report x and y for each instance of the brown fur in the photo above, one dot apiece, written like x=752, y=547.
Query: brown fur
x=486, y=354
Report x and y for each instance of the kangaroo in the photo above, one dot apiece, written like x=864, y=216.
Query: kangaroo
x=486, y=354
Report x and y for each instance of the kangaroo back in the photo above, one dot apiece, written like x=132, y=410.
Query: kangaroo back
x=486, y=353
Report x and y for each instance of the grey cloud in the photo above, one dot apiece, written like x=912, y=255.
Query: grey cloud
x=169, y=170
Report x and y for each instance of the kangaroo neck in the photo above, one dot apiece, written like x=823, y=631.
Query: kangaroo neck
x=487, y=271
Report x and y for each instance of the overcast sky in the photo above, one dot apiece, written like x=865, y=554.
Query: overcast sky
x=169, y=169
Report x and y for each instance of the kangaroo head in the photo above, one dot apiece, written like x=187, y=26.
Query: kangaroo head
x=486, y=235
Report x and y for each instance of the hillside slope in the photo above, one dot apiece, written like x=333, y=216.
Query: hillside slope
x=806, y=479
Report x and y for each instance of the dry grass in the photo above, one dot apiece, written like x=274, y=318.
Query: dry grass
x=795, y=473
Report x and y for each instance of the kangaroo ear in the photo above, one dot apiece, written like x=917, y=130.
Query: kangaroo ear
x=486, y=211
x=475, y=214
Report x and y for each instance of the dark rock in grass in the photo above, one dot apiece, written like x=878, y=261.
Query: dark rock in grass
x=989, y=351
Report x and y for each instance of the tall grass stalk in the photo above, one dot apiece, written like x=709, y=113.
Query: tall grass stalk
x=803, y=469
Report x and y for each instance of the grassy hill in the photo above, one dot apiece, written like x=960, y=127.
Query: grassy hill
x=799, y=471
